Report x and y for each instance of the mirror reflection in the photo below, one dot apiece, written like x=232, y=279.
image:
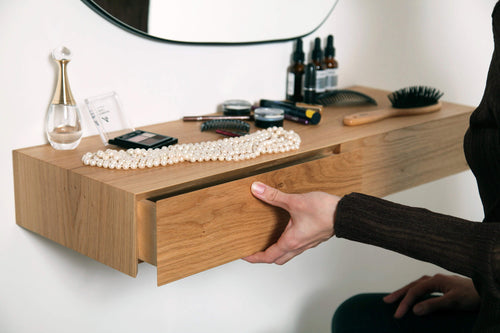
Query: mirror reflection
x=216, y=21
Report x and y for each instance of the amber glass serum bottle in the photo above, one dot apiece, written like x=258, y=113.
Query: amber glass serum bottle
x=295, y=75
x=331, y=66
x=317, y=60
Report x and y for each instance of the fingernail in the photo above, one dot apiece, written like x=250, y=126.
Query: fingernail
x=258, y=188
x=419, y=309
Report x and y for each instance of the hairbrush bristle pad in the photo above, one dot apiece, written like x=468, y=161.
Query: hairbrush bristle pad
x=415, y=96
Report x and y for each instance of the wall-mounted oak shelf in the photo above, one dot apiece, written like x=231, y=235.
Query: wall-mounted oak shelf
x=191, y=217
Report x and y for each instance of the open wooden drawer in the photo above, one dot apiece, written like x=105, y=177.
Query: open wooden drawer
x=191, y=232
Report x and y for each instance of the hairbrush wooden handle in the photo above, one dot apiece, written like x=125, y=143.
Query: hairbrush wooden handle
x=366, y=117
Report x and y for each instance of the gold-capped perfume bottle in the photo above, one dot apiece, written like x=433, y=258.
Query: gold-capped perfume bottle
x=63, y=119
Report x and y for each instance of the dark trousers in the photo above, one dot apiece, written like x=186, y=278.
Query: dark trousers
x=369, y=313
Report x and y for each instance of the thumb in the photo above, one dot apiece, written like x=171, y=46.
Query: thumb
x=270, y=195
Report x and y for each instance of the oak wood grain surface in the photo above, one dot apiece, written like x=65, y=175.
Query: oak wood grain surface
x=183, y=176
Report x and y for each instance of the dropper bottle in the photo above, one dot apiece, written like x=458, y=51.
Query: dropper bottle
x=317, y=60
x=295, y=75
x=310, y=84
x=331, y=66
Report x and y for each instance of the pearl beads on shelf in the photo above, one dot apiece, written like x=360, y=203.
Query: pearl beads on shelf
x=268, y=141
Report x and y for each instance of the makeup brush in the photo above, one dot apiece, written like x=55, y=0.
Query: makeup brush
x=216, y=117
x=405, y=102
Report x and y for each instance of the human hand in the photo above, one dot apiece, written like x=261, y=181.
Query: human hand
x=311, y=222
x=458, y=293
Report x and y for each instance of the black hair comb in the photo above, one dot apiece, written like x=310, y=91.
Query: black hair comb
x=225, y=124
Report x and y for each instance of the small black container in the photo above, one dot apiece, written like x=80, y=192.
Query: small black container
x=268, y=117
x=237, y=107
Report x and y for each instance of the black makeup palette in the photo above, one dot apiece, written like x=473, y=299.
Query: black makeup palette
x=142, y=139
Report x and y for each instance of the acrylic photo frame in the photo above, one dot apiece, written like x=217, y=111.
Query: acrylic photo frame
x=108, y=116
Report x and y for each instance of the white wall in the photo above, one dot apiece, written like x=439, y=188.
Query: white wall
x=386, y=43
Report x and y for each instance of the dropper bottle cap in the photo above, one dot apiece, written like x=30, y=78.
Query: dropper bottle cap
x=329, y=50
x=317, y=54
x=298, y=55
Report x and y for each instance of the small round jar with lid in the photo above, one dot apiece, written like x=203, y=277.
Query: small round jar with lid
x=268, y=117
x=237, y=107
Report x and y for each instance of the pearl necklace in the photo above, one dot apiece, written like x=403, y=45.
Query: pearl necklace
x=271, y=140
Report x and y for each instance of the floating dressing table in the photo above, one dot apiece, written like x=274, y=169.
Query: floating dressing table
x=190, y=217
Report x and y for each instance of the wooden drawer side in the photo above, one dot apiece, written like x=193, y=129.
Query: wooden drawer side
x=146, y=231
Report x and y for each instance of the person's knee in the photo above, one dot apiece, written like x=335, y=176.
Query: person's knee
x=356, y=312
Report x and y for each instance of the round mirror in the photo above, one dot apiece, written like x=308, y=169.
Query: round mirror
x=216, y=21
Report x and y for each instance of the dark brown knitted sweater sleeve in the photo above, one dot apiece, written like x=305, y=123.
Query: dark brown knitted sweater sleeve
x=468, y=248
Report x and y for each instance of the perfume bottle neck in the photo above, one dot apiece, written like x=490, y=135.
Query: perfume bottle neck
x=62, y=94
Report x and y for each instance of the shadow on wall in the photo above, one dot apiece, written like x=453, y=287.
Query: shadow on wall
x=78, y=266
x=318, y=311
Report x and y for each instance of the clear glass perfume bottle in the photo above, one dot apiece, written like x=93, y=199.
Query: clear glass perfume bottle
x=63, y=119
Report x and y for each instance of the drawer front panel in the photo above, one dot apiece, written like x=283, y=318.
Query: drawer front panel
x=212, y=226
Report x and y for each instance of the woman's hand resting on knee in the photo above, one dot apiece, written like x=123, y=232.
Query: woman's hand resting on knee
x=458, y=294
x=311, y=222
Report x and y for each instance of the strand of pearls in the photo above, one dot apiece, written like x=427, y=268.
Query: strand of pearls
x=271, y=140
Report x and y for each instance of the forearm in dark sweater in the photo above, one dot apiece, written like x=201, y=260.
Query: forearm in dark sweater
x=468, y=248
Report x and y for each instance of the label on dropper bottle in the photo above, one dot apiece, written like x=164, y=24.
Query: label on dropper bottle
x=331, y=79
x=290, y=84
x=320, y=80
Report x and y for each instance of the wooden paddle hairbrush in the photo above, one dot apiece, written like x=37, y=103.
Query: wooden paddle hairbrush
x=405, y=102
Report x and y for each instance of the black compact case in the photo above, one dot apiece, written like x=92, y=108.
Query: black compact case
x=142, y=139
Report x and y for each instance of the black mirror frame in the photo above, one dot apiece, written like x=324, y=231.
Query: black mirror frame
x=96, y=8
